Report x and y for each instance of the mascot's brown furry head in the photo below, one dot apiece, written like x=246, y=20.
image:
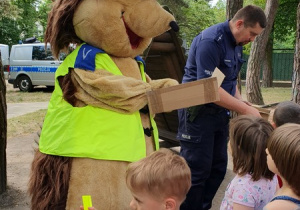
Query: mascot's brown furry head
x=123, y=29
x=129, y=24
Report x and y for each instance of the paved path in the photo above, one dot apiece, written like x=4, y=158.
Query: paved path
x=18, y=109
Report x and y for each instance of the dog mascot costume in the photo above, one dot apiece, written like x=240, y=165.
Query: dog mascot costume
x=97, y=121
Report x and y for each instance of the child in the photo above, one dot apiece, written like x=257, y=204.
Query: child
x=254, y=185
x=283, y=158
x=159, y=181
x=286, y=112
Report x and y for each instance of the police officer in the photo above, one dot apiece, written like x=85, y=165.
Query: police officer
x=203, y=130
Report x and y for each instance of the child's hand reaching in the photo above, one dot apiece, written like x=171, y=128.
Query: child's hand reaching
x=90, y=208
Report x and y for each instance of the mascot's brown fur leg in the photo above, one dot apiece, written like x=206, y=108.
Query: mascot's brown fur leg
x=104, y=180
x=49, y=181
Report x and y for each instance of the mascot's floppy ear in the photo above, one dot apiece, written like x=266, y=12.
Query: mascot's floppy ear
x=60, y=31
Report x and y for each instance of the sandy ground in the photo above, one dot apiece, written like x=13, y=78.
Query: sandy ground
x=19, y=155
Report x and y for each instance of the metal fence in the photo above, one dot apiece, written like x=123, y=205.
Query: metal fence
x=282, y=63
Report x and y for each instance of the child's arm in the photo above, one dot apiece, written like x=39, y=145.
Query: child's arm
x=87, y=203
x=280, y=204
x=237, y=206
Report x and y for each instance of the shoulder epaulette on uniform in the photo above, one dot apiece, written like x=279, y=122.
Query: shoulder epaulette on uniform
x=86, y=57
x=219, y=37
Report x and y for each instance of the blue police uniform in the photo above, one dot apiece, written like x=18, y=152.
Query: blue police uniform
x=203, y=130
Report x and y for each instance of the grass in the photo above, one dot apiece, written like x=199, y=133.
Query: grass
x=25, y=124
x=273, y=95
x=30, y=123
x=38, y=95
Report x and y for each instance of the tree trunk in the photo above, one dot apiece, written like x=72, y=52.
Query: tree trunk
x=3, y=131
x=296, y=71
x=267, y=77
x=232, y=6
x=257, y=53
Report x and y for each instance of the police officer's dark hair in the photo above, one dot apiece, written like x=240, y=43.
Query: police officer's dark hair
x=286, y=112
x=248, y=141
x=251, y=15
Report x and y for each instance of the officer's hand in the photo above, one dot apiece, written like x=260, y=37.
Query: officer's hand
x=252, y=111
x=247, y=102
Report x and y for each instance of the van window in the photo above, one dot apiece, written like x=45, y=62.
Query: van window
x=39, y=53
x=22, y=53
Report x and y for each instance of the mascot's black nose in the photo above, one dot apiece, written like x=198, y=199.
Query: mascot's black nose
x=174, y=26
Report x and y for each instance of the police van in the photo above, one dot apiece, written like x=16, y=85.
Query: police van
x=31, y=65
x=4, y=50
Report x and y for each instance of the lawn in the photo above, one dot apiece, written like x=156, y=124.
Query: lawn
x=25, y=124
x=273, y=95
x=38, y=95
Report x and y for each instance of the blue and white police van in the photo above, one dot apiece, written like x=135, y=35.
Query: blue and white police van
x=32, y=65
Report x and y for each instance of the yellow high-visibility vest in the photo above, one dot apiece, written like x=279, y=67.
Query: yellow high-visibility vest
x=89, y=131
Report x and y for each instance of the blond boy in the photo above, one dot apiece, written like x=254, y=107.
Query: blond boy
x=159, y=181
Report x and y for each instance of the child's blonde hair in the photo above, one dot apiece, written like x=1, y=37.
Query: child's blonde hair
x=248, y=140
x=284, y=147
x=162, y=174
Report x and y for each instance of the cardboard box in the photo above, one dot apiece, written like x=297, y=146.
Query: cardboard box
x=183, y=95
x=265, y=113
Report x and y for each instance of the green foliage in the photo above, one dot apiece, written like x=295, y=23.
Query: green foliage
x=9, y=32
x=260, y=3
x=8, y=27
x=175, y=7
x=198, y=16
x=193, y=16
x=8, y=10
x=43, y=10
x=220, y=11
x=18, y=24
x=285, y=22
x=27, y=23
x=287, y=43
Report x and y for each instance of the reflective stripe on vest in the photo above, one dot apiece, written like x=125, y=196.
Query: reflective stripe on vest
x=92, y=132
